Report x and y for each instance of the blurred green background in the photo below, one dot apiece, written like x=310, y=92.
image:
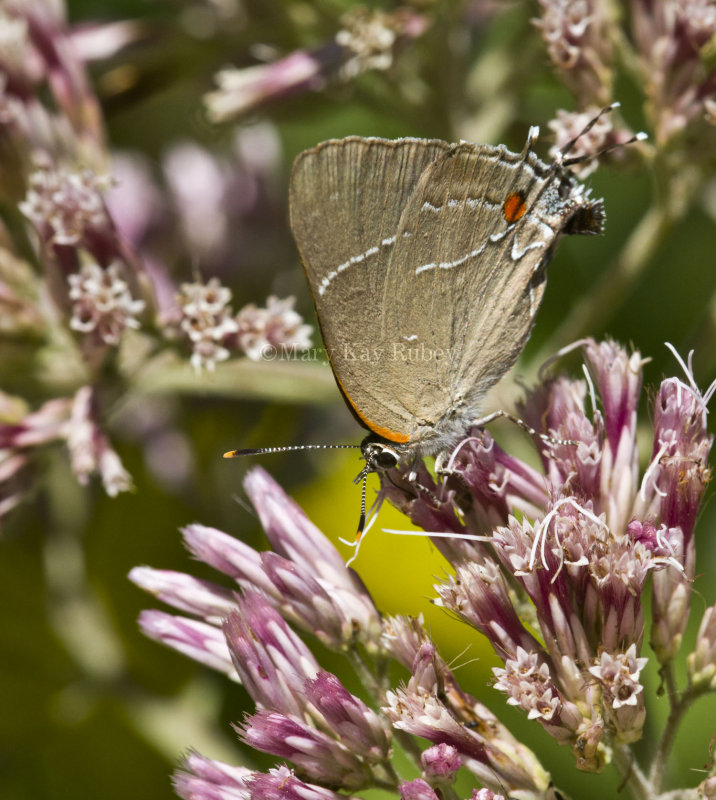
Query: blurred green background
x=88, y=706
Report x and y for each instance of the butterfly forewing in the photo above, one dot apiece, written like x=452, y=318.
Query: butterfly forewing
x=346, y=201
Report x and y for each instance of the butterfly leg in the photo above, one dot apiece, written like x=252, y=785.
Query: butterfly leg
x=482, y=421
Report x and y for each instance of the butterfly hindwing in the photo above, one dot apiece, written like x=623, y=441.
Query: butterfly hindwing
x=472, y=258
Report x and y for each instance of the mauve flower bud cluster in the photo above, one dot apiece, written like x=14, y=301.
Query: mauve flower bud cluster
x=674, y=39
x=90, y=237
x=558, y=586
x=53, y=147
x=304, y=714
x=670, y=43
x=59, y=176
x=263, y=332
x=550, y=565
x=37, y=58
x=367, y=40
x=672, y=492
x=66, y=206
x=102, y=303
x=579, y=42
x=207, y=320
x=72, y=421
x=441, y=763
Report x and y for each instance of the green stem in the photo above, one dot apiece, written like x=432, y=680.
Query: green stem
x=372, y=684
x=631, y=773
x=408, y=743
x=590, y=313
x=669, y=678
x=679, y=706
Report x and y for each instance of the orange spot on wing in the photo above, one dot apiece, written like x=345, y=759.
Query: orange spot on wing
x=514, y=207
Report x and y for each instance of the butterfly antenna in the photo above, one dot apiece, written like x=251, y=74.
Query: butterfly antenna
x=258, y=451
x=588, y=127
x=637, y=137
x=568, y=162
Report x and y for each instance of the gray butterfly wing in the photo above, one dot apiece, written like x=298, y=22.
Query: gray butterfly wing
x=473, y=260
x=346, y=198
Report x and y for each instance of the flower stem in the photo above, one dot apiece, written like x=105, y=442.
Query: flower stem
x=667, y=675
x=679, y=707
x=589, y=314
x=373, y=683
x=631, y=772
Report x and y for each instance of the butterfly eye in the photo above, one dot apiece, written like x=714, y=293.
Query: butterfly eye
x=386, y=458
x=378, y=453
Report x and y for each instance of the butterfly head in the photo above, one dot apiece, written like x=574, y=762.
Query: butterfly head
x=379, y=454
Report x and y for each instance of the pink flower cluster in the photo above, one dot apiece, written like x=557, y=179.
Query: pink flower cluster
x=551, y=565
